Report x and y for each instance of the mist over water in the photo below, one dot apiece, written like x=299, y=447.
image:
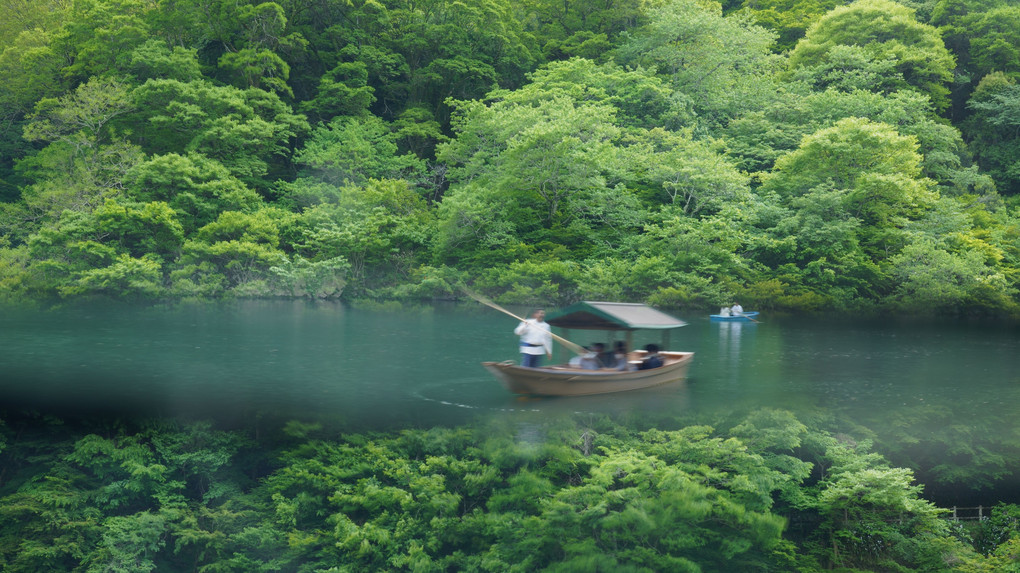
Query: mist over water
x=902, y=381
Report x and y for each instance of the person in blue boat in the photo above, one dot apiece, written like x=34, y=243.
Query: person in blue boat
x=736, y=309
x=536, y=339
x=652, y=358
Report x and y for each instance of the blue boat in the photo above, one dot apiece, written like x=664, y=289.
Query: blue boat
x=745, y=317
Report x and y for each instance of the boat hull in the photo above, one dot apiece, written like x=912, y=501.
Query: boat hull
x=563, y=380
x=746, y=317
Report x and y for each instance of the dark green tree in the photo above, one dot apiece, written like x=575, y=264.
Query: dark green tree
x=992, y=130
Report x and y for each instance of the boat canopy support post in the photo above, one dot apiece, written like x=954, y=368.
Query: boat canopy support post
x=665, y=339
x=630, y=340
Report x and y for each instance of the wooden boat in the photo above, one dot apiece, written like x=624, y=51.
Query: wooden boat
x=565, y=380
x=745, y=317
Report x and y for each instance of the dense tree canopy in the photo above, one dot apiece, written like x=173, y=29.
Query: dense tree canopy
x=766, y=492
x=682, y=152
x=871, y=32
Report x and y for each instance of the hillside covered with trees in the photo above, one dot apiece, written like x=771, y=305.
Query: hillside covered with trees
x=801, y=155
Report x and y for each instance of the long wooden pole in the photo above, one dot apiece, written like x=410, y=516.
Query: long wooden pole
x=576, y=348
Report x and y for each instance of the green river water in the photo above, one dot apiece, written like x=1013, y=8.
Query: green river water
x=934, y=394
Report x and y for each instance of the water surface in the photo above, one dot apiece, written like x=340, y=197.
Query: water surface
x=917, y=385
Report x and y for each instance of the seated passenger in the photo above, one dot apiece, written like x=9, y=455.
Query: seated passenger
x=607, y=359
x=593, y=360
x=652, y=358
x=588, y=360
x=619, y=355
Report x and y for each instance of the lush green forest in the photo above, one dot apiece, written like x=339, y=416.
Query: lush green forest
x=801, y=155
x=762, y=493
x=796, y=155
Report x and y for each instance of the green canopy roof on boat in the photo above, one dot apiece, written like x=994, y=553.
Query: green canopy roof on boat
x=589, y=315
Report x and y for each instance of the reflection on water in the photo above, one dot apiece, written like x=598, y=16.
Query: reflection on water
x=729, y=352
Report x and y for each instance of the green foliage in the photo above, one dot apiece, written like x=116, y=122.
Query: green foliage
x=690, y=291
x=547, y=154
x=659, y=516
x=790, y=19
x=125, y=277
x=343, y=91
x=994, y=41
x=561, y=496
x=85, y=161
x=13, y=268
x=428, y=282
x=30, y=69
x=650, y=150
x=352, y=150
x=397, y=56
x=853, y=187
x=27, y=15
x=534, y=174
x=98, y=36
x=533, y=281
x=573, y=29
x=314, y=279
x=698, y=247
x=117, y=251
x=417, y=131
x=1001, y=527
x=233, y=254
x=379, y=229
x=641, y=98
x=993, y=127
x=244, y=130
x=262, y=69
x=196, y=187
x=686, y=173
x=872, y=515
x=12, y=114
x=130, y=543
x=619, y=279
x=149, y=229
x=757, y=139
x=155, y=60
x=845, y=154
x=931, y=278
x=720, y=65
x=884, y=31
x=120, y=503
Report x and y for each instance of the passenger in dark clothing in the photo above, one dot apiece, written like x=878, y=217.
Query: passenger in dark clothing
x=652, y=358
x=607, y=359
x=618, y=358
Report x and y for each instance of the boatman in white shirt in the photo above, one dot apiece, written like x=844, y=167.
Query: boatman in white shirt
x=736, y=310
x=536, y=339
